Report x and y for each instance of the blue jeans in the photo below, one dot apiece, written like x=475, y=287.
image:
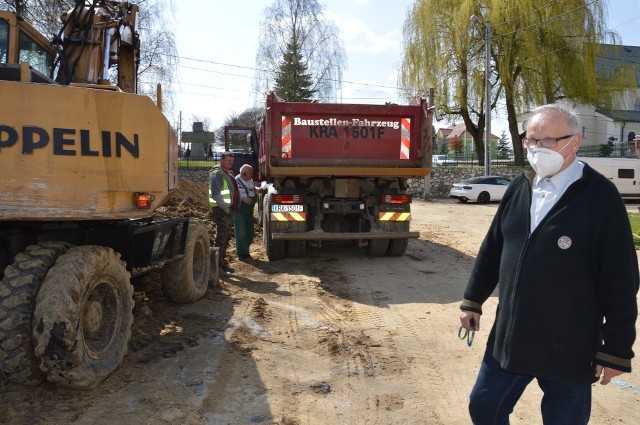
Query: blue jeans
x=497, y=391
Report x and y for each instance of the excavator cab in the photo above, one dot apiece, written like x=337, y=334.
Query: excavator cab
x=20, y=42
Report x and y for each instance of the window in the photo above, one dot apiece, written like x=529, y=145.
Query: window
x=625, y=173
x=637, y=105
x=35, y=54
x=4, y=40
x=240, y=140
x=631, y=136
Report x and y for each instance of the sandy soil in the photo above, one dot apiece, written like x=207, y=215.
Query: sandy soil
x=334, y=338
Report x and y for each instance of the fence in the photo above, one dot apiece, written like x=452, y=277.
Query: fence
x=610, y=150
x=470, y=159
x=198, y=161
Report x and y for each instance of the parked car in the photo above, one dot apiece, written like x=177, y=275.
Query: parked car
x=480, y=189
x=443, y=160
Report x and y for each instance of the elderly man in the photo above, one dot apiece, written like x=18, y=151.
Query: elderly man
x=561, y=249
x=223, y=199
x=243, y=221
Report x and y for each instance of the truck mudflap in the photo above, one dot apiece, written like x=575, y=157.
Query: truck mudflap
x=328, y=236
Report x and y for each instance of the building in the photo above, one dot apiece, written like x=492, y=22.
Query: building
x=458, y=139
x=620, y=125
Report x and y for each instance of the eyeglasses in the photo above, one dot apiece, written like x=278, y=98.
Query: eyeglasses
x=549, y=142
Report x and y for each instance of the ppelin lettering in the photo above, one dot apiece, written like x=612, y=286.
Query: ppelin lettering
x=68, y=141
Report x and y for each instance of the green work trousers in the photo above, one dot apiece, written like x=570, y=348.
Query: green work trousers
x=244, y=229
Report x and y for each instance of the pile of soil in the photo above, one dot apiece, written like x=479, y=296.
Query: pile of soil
x=191, y=199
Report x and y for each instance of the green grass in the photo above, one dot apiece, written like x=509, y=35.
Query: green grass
x=634, y=219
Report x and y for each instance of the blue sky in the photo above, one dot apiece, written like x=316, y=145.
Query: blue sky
x=217, y=41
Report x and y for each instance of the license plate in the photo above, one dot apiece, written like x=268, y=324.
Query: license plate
x=287, y=208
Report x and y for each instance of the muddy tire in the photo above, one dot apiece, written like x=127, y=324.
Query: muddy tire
x=83, y=316
x=397, y=247
x=186, y=280
x=18, y=291
x=275, y=248
x=377, y=247
x=297, y=249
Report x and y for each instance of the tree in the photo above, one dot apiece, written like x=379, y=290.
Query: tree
x=540, y=54
x=293, y=83
x=504, y=150
x=317, y=39
x=251, y=117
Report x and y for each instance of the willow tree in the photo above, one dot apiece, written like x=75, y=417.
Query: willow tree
x=318, y=41
x=540, y=54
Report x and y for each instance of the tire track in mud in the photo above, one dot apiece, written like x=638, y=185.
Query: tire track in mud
x=380, y=308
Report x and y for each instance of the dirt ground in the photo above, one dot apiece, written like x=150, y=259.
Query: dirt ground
x=334, y=338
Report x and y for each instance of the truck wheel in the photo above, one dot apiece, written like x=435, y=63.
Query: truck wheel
x=83, y=316
x=260, y=209
x=397, y=247
x=297, y=249
x=18, y=292
x=186, y=280
x=377, y=247
x=275, y=248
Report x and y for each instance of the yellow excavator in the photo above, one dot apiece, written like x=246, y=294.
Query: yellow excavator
x=84, y=163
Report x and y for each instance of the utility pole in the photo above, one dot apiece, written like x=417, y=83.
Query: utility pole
x=487, y=96
x=487, y=93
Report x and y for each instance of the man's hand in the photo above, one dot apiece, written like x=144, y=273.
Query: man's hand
x=606, y=373
x=465, y=319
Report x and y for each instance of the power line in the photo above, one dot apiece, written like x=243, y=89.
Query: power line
x=528, y=13
x=547, y=20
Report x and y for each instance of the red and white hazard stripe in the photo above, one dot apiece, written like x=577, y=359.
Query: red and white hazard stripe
x=286, y=137
x=405, y=137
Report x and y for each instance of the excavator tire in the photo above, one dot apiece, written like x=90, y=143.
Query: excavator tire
x=186, y=280
x=83, y=316
x=18, y=291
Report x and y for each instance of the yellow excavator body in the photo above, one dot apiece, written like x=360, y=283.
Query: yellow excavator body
x=81, y=153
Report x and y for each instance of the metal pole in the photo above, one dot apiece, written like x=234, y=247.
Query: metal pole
x=487, y=96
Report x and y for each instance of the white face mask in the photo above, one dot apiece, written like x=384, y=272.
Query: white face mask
x=546, y=162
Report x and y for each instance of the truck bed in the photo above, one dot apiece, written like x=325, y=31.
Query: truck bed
x=315, y=139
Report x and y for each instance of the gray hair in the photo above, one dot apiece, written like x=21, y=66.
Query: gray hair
x=570, y=116
x=246, y=167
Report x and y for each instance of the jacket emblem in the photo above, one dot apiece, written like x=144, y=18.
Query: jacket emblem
x=564, y=242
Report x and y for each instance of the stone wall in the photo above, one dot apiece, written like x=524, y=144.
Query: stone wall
x=195, y=174
x=440, y=180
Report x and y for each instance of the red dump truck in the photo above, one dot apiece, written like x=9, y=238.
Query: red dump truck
x=336, y=172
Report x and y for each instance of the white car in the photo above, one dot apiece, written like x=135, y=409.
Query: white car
x=480, y=189
x=443, y=160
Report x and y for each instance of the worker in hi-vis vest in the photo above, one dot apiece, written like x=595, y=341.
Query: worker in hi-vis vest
x=223, y=199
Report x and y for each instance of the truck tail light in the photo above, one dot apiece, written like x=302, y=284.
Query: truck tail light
x=143, y=201
x=287, y=199
x=395, y=199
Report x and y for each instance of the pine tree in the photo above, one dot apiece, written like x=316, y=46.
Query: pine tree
x=504, y=147
x=293, y=83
